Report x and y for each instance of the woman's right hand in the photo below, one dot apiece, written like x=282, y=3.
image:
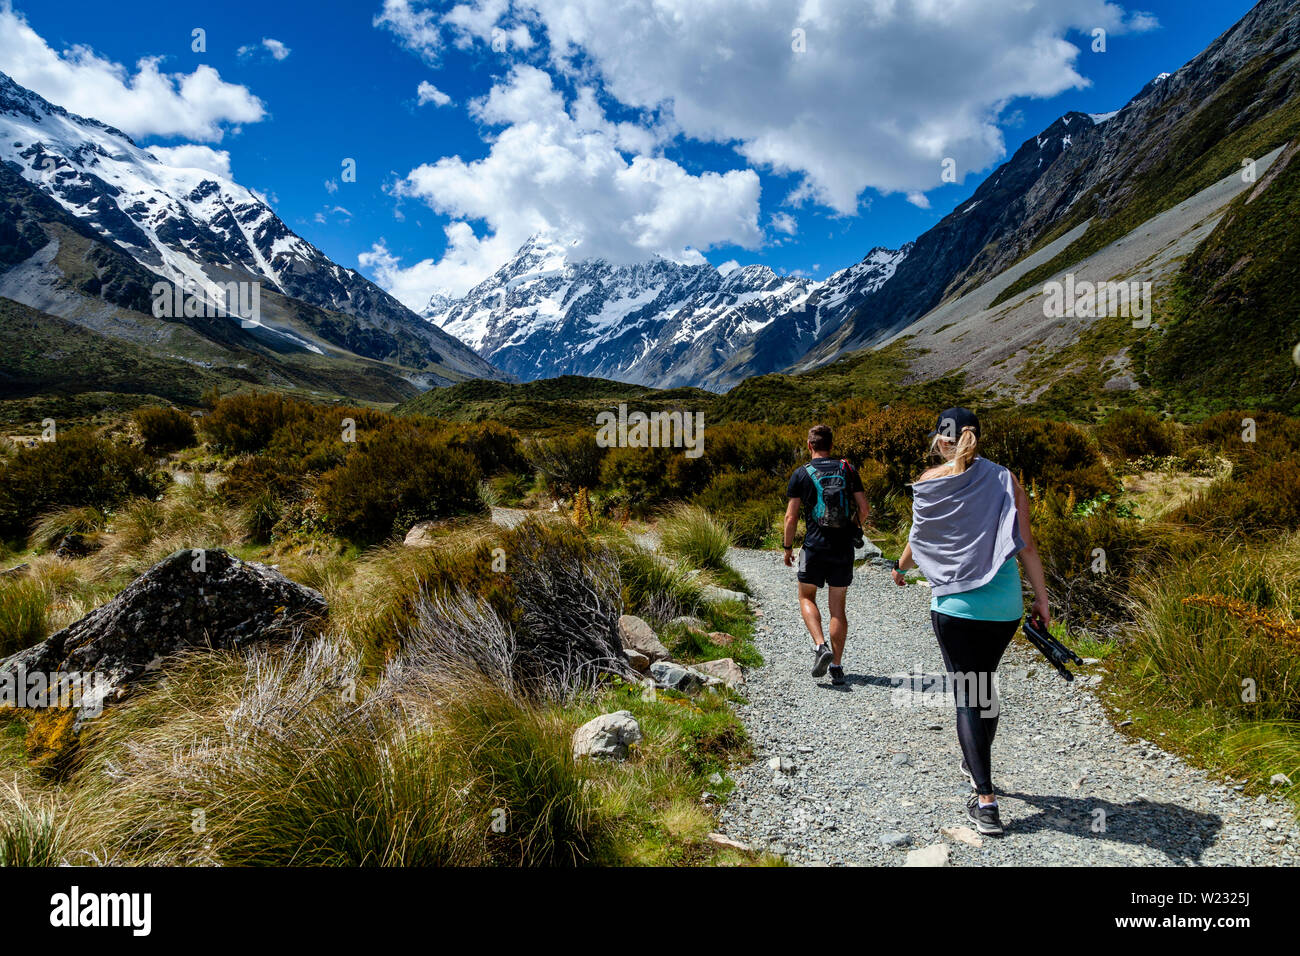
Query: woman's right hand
x=898, y=578
x=1041, y=610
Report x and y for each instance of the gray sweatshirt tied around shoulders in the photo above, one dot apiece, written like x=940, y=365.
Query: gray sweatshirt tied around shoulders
x=964, y=527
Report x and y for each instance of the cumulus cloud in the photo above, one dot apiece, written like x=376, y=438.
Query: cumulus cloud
x=784, y=222
x=274, y=48
x=560, y=169
x=847, y=95
x=146, y=102
x=417, y=27
x=193, y=156
x=428, y=93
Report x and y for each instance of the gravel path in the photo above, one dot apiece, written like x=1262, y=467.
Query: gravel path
x=869, y=771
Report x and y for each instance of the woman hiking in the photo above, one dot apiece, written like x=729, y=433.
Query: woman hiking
x=970, y=524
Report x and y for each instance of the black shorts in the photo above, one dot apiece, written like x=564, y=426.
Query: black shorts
x=819, y=569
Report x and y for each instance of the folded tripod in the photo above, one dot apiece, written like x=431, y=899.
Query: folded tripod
x=1056, y=653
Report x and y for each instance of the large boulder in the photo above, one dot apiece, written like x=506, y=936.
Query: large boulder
x=190, y=599
x=637, y=635
x=607, y=737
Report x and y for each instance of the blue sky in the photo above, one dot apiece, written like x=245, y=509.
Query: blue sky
x=750, y=149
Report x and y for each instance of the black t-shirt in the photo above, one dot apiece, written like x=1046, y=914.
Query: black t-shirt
x=833, y=542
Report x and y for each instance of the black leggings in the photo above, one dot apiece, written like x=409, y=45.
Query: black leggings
x=971, y=652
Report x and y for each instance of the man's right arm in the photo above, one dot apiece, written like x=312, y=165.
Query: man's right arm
x=791, y=525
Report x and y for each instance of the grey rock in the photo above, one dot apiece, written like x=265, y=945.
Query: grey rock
x=676, y=677
x=895, y=839
x=639, y=636
x=936, y=854
x=191, y=599
x=606, y=737
x=725, y=669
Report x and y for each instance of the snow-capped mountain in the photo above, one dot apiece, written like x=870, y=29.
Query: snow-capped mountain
x=198, y=228
x=655, y=322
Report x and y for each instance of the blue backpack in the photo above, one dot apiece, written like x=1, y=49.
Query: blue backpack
x=832, y=509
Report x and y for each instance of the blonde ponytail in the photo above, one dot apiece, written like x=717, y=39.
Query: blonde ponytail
x=967, y=449
x=961, y=454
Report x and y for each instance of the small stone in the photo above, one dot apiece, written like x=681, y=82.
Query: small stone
x=901, y=760
x=895, y=839
x=1280, y=780
x=731, y=844
x=963, y=835
x=934, y=855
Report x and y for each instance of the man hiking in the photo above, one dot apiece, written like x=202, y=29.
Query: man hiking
x=830, y=493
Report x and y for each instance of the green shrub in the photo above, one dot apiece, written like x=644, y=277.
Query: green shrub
x=1089, y=561
x=894, y=438
x=652, y=476
x=1263, y=500
x=78, y=468
x=247, y=422
x=1273, y=437
x=395, y=477
x=1136, y=432
x=566, y=462
x=1053, y=454
x=692, y=534
x=164, y=429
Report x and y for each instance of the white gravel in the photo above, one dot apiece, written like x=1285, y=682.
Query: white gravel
x=872, y=775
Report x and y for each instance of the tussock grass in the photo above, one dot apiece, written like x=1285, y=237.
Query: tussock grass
x=23, y=614
x=52, y=527
x=29, y=832
x=294, y=762
x=145, y=531
x=1200, y=654
x=691, y=533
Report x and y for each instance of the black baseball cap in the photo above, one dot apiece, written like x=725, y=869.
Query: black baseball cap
x=952, y=421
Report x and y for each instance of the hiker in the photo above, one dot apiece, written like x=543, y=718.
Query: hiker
x=830, y=492
x=970, y=524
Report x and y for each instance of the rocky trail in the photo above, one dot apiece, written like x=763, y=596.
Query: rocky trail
x=868, y=773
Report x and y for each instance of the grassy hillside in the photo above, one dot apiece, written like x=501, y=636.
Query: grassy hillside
x=875, y=376
x=548, y=405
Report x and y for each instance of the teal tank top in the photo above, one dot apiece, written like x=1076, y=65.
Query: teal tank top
x=999, y=600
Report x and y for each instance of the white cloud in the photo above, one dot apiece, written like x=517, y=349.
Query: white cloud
x=731, y=265
x=428, y=93
x=331, y=186
x=148, y=102
x=193, y=156
x=275, y=48
x=882, y=92
x=1140, y=21
x=562, y=170
x=919, y=199
x=784, y=222
x=416, y=28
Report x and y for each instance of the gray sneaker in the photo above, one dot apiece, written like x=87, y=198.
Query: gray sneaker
x=986, y=819
x=822, y=657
